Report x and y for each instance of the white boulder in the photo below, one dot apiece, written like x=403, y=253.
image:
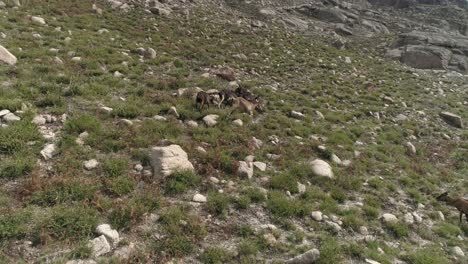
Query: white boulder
x=166, y=160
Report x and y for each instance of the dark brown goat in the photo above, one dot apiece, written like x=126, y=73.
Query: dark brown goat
x=460, y=203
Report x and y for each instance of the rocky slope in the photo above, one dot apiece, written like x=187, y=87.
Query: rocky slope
x=105, y=158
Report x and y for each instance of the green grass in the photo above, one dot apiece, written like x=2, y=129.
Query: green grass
x=180, y=182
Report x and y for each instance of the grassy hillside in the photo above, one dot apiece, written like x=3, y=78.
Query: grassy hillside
x=56, y=204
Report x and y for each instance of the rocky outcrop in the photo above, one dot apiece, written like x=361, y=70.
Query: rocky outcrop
x=432, y=50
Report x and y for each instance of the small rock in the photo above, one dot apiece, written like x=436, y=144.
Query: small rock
x=370, y=261
x=91, y=164
x=417, y=218
x=111, y=234
x=238, y=122
x=214, y=180
x=335, y=159
x=317, y=216
x=249, y=158
x=308, y=257
x=301, y=187
x=408, y=218
x=81, y=261
x=6, y=56
x=199, y=198
x=410, y=148
x=363, y=230
x=159, y=118
x=389, y=218
x=260, y=165
x=173, y=111
x=401, y=118
x=210, y=120
x=4, y=112
x=201, y=150
x=106, y=109
x=321, y=168
x=138, y=167
x=269, y=239
x=297, y=115
x=38, y=20
x=49, y=151
x=319, y=115
x=348, y=60
x=273, y=156
x=99, y=246
x=245, y=169
x=458, y=251
x=126, y=122
x=10, y=117
x=452, y=119
x=191, y=123
x=441, y=215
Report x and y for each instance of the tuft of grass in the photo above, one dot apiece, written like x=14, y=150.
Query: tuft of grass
x=448, y=230
x=215, y=255
x=427, y=256
x=71, y=222
x=121, y=185
x=217, y=203
x=330, y=252
x=181, y=181
x=63, y=191
x=282, y=206
x=83, y=122
x=398, y=230
x=114, y=167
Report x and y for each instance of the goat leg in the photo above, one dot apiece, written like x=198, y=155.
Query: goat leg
x=461, y=215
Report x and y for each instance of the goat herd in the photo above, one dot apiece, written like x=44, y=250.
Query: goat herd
x=240, y=99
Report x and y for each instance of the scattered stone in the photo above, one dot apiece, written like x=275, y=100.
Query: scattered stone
x=166, y=160
x=126, y=122
x=273, y=156
x=321, y=168
x=245, y=169
x=441, y=215
x=111, y=234
x=49, y=151
x=452, y=119
x=297, y=115
x=417, y=218
x=191, y=123
x=159, y=118
x=160, y=11
x=238, y=122
x=308, y=257
x=370, y=261
x=91, y=164
x=6, y=56
x=410, y=148
x=336, y=227
x=408, y=218
x=105, y=109
x=301, y=187
x=256, y=143
x=363, y=230
x=249, y=158
x=226, y=73
x=389, y=218
x=319, y=115
x=138, y=167
x=199, y=198
x=99, y=246
x=201, y=150
x=4, y=112
x=214, y=180
x=10, y=117
x=260, y=165
x=38, y=20
x=210, y=120
x=335, y=159
x=173, y=111
x=269, y=239
x=458, y=251
x=348, y=60
x=81, y=261
x=76, y=59
x=401, y=118
x=317, y=216
x=39, y=120
x=125, y=252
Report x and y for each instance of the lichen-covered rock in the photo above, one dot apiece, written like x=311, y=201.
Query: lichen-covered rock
x=167, y=160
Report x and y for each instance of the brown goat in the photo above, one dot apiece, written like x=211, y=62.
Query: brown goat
x=245, y=106
x=202, y=99
x=460, y=203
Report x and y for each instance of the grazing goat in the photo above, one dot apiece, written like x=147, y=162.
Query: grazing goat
x=245, y=106
x=246, y=94
x=227, y=97
x=202, y=99
x=460, y=203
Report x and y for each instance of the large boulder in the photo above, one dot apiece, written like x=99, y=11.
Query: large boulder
x=321, y=168
x=452, y=119
x=6, y=56
x=99, y=246
x=426, y=57
x=166, y=160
